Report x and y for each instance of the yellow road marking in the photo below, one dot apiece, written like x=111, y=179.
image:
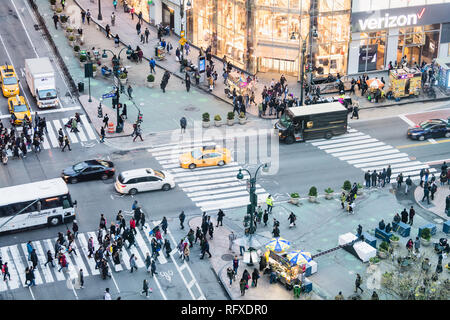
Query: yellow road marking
x=421, y=144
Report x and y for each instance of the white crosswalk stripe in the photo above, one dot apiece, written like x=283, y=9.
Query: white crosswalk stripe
x=210, y=188
x=53, y=126
x=367, y=153
x=14, y=282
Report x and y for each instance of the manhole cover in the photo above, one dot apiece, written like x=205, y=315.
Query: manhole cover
x=190, y=108
x=227, y=257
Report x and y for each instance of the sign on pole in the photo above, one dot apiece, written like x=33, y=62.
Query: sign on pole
x=182, y=41
x=109, y=95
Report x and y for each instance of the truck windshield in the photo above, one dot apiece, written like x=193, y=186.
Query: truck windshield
x=285, y=120
x=47, y=94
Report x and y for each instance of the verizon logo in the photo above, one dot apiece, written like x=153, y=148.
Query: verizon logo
x=389, y=21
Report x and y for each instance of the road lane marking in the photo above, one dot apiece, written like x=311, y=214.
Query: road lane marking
x=14, y=282
x=432, y=141
x=421, y=144
x=408, y=121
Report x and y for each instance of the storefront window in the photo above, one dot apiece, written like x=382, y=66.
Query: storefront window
x=372, y=51
x=418, y=45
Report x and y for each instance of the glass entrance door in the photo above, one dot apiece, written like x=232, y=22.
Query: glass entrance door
x=413, y=54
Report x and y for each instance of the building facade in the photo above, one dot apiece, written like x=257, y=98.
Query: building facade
x=353, y=36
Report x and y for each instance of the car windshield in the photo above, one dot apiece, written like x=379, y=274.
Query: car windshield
x=20, y=108
x=9, y=80
x=80, y=166
x=427, y=124
x=159, y=174
x=121, y=179
x=285, y=121
x=47, y=94
x=196, y=153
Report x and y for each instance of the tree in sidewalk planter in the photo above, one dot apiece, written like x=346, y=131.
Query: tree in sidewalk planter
x=360, y=189
x=94, y=70
x=150, y=81
x=230, y=118
x=295, y=198
x=64, y=19
x=205, y=120
x=76, y=48
x=394, y=240
x=347, y=186
x=329, y=193
x=58, y=10
x=383, y=250
x=71, y=40
x=241, y=118
x=425, y=234
x=312, y=194
x=217, y=120
x=83, y=58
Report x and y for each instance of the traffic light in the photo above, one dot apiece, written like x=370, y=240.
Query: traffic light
x=139, y=120
x=119, y=105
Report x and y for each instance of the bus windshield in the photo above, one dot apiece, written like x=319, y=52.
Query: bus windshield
x=285, y=120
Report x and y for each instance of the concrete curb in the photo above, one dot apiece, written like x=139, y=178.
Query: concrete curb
x=419, y=203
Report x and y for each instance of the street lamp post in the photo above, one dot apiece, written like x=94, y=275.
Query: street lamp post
x=99, y=17
x=182, y=24
x=302, y=71
x=253, y=197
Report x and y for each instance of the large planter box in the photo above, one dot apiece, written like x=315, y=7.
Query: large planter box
x=312, y=199
x=217, y=123
x=294, y=200
x=329, y=196
x=205, y=124
x=151, y=84
x=230, y=122
x=242, y=120
x=94, y=73
x=425, y=243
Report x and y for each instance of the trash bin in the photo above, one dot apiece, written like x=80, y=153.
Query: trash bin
x=156, y=51
x=80, y=86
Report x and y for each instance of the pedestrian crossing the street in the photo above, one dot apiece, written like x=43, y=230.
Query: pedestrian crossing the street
x=210, y=188
x=367, y=153
x=84, y=135
x=17, y=258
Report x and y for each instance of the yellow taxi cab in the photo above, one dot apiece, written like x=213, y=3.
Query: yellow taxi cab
x=9, y=80
x=20, y=109
x=205, y=156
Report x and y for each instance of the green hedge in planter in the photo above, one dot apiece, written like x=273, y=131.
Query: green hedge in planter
x=150, y=78
x=395, y=238
x=242, y=115
x=295, y=195
x=426, y=234
x=205, y=117
x=76, y=48
x=83, y=58
x=217, y=118
x=384, y=246
x=347, y=185
x=313, y=192
x=230, y=115
x=123, y=75
x=329, y=190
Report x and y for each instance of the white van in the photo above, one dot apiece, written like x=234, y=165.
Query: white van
x=146, y=179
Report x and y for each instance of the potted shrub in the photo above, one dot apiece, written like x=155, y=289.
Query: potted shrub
x=359, y=191
x=230, y=118
x=382, y=251
x=150, y=81
x=58, y=10
x=69, y=31
x=76, y=49
x=71, y=41
x=374, y=260
x=426, y=237
x=241, y=118
x=329, y=193
x=312, y=194
x=347, y=186
x=295, y=197
x=205, y=120
x=94, y=70
x=217, y=120
x=53, y=4
x=123, y=78
x=83, y=60
x=394, y=240
x=63, y=20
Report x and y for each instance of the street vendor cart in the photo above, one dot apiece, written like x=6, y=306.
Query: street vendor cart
x=160, y=53
x=236, y=81
x=405, y=82
x=286, y=273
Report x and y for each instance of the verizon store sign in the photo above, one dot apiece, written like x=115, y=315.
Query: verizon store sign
x=400, y=17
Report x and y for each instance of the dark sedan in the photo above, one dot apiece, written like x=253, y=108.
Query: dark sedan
x=89, y=170
x=434, y=128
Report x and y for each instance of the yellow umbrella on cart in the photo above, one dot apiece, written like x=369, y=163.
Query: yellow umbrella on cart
x=278, y=244
x=299, y=257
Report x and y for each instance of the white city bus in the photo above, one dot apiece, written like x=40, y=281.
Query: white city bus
x=50, y=201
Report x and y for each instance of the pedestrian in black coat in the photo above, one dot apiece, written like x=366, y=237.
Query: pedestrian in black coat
x=220, y=216
x=55, y=20
x=188, y=82
x=404, y=215
x=182, y=216
x=265, y=218
x=374, y=178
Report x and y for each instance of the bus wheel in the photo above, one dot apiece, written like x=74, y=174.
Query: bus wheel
x=328, y=135
x=289, y=140
x=54, y=221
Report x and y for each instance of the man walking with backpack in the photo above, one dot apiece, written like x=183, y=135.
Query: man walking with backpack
x=183, y=123
x=138, y=133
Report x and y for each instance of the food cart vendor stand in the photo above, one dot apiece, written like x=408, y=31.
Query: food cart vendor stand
x=236, y=81
x=287, y=274
x=405, y=82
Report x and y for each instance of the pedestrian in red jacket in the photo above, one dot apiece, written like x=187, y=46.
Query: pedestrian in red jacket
x=133, y=225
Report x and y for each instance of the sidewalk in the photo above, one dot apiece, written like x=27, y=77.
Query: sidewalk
x=436, y=206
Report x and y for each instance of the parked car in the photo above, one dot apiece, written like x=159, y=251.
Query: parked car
x=89, y=170
x=145, y=179
x=433, y=128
